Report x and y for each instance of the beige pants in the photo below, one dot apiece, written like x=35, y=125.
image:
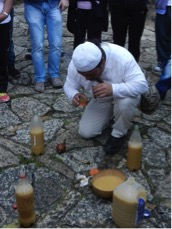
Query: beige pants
x=99, y=112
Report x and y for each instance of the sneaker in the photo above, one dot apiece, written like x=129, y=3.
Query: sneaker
x=4, y=97
x=113, y=144
x=39, y=87
x=57, y=82
x=28, y=55
x=158, y=67
x=12, y=71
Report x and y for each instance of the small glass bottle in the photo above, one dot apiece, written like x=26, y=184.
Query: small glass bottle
x=37, y=135
x=25, y=201
x=134, y=150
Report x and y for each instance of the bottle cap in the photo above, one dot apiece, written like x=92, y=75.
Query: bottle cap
x=136, y=127
x=147, y=213
x=22, y=174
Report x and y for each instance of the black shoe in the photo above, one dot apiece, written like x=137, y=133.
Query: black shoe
x=28, y=55
x=62, y=54
x=12, y=71
x=113, y=144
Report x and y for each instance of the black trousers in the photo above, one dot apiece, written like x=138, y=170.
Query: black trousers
x=87, y=24
x=4, y=44
x=128, y=20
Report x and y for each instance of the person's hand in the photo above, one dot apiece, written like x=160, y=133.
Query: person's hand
x=102, y=90
x=77, y=97
x=2, y=17
x=63, y=4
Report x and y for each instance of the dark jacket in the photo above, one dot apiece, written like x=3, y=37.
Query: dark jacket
x=137, y=4
x=100, y=8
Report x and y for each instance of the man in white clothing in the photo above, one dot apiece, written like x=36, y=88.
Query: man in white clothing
x=114, y=79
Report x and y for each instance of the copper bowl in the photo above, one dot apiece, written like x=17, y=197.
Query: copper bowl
x=107, y=192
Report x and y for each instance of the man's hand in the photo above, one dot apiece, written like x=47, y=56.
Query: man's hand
x=76, y=99
x=102, y=90
x=63, y=4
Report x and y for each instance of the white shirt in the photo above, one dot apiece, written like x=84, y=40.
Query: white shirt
x=8, y=19
x=121, y=70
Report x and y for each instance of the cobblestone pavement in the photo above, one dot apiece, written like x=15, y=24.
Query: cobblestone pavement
x=60, y=201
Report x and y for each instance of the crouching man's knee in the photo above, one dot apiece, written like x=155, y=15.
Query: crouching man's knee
x=85, y=133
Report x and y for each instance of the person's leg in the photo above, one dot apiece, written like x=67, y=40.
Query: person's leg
x=93, y=28
x=96, y=117
x=163, y=35
x=54, y=29
x=4, y=44
x=36, y=30
x=136, y=26
x=164, y=84
x=81, y=27
x=28, y=55
x=123, y=112
x=119, y=23
x=11, y=55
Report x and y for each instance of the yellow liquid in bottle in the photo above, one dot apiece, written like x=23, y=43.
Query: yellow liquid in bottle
x=134, y=156
x=37, y=141
x=25, y=206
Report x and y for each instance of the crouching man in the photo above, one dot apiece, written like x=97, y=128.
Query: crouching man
x=114, y=79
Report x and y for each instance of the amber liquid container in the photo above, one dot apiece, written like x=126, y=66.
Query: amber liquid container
x=37, y=141
x=25, y=202
x=37, y=136
x=134, y=150
x=125, y=211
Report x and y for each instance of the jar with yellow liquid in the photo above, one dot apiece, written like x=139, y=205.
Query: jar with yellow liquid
x=25, y=201
x=37, y=135
x=128, y=204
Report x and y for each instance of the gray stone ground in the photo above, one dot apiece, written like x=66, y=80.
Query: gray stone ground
x=60, y=201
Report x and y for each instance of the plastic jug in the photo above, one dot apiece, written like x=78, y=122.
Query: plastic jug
x=128, y=204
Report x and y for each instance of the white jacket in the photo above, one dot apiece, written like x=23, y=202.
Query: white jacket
x=121, y=70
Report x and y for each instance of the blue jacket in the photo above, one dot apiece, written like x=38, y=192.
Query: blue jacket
x=52, y=3
x=160, y=6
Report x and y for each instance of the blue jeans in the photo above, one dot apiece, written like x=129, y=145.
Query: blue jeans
x=36, y=16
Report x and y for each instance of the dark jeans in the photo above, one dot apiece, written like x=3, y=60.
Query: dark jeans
x=87, y=24
x=4, y=44
x=11, y=54
x=163, y=35
x=125, y=19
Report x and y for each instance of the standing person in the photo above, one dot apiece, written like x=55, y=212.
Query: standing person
x=5, y=8
x=87, y=17
x=164, y=83
x=12, y=71
x=48, y=12
x=163, y=32
x=114, y=79
x=128, y=16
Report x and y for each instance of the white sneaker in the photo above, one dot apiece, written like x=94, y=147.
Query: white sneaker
x=158, y=67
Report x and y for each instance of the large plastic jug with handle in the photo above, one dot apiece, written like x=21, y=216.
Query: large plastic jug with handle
x=128, y=204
